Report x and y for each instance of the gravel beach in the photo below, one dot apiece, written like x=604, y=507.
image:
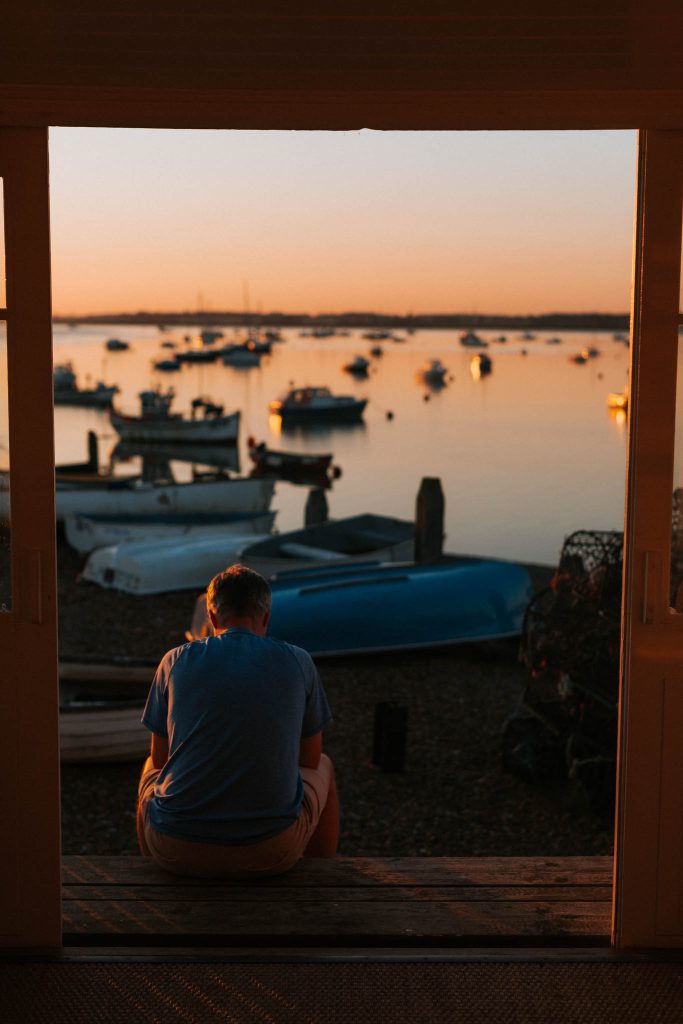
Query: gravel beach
x=453, y=797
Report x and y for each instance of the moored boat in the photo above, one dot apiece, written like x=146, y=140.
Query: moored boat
x=68, y=392
x=303, y=405
x=480, y=365
x=116, y=345
x=157, y=423
x=268, y=460
x=240, y=355
x=434, y=373
x=358, y=366
x=471, y=340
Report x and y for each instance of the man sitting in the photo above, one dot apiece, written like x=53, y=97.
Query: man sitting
x=237, y=784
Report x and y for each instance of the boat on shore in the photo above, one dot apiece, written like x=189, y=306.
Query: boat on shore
x=113, y=496
x=86, y=533
x=156, y=422
x=318, y=404
x=164, y=565
x=68, y=392
x=161, y=566
x=268, y=460
x=373, y=607
x=353, y=538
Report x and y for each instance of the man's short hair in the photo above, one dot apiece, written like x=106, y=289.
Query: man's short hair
x=238, y=592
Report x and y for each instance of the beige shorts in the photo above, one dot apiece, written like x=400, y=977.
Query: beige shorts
x=247, y=860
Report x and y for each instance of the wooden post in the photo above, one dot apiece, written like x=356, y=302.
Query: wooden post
x=316, y=510
x=429, y=512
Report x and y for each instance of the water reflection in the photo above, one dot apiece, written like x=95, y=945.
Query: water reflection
x=523, y=461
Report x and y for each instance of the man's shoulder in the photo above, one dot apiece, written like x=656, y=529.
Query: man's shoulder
x=290, y=651
x=176, y=654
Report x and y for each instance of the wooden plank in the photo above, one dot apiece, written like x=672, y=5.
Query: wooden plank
x=335, y=919
x=356, y=871
x=239, y=892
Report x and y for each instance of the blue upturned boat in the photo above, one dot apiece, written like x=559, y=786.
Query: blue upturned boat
x=369, y=607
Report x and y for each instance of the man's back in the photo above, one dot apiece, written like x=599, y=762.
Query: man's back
x=234, y=708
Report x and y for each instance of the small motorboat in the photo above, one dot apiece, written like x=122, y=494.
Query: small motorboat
x=374, y=607
x=315, y=405
x=289, y=463
x=590, y=352
x=579, y=358
x=199, y=355
x=471, y=340
x=480, y=365
x=156, y=422
x=168, y=344
x=116, y=345
x=377, y=351
x=68, y=392
x=209, y=337
x=86, y=533
x=240, y=355
x=358, y=366
x=434, y=373
x=167, y=365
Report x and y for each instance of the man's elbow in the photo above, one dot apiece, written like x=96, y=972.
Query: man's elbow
x=310, y=751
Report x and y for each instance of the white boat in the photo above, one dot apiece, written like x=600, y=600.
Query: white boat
x=471, y=340
x=85, y=533
x=304, y=405
x=158, y=423
x=141, y=498
x=162, y=566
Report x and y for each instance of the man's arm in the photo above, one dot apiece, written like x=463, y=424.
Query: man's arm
x=159, y=750
x=310, y=750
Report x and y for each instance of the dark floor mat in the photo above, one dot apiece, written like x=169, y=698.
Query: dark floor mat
x=509, y=993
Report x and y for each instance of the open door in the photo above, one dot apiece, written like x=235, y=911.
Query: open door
x=29, y=751
x=649, y=852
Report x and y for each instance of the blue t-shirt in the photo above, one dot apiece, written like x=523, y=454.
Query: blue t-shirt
x=234, y=708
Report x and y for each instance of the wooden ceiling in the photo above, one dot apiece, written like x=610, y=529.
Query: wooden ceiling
x=216, y=63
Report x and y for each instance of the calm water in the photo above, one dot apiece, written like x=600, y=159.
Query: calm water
x=525, y=455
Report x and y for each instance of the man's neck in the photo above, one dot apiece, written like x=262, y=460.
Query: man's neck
x=240, y=623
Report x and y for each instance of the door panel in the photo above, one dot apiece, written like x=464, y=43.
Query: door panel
x=648, y=864
x=29, y=753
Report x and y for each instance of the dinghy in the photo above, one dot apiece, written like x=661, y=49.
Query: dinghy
x=374, y=607
x=85, y=533
x=162, y=566
x=355, y=538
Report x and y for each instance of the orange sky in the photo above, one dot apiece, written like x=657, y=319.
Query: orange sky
x=319, y=221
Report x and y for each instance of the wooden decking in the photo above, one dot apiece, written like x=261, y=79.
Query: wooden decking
x=393, y=902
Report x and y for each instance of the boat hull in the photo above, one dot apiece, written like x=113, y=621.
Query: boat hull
x=102, y=734
x=211, y=496
x=163, y=566
x=86, y=533
x=210, y=430
x=351, y=413
x=362, y=609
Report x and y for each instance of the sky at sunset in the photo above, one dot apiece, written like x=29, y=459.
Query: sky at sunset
x=395, y=222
